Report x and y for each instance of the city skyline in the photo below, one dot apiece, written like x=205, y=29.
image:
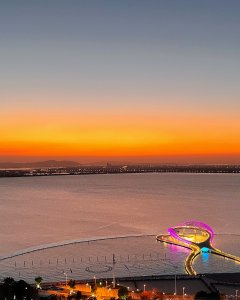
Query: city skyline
x=128, y=80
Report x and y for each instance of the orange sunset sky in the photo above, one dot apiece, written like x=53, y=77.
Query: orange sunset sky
x=115, y=81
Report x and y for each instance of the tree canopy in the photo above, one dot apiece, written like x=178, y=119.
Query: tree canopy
x=20, y=290
x=122, y=292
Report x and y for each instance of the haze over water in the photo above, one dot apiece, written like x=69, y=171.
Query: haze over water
x=40, y=210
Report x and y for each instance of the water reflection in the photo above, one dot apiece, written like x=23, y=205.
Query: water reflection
x=135, y=256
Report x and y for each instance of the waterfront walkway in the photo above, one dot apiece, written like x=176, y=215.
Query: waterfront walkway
x=195, y=242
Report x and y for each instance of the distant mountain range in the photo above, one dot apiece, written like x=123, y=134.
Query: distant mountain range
x=69, y=164
x=40, y=164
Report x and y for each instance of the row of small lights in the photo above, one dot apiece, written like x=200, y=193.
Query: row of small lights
x=144, y=287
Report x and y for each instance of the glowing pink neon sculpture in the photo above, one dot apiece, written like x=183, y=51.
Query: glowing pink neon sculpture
x=197, y=224
x=204, y=245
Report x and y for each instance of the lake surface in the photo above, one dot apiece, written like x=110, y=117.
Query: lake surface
x=41, y=210
x=133, y=256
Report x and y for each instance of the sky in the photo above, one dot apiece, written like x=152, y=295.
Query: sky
x=136, y=80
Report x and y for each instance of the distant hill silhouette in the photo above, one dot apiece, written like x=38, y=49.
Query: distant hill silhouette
x=40, y=164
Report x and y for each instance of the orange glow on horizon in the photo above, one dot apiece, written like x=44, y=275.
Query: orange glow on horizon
x=73, y=134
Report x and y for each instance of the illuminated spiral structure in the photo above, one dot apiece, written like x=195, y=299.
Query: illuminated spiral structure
x=196, y=236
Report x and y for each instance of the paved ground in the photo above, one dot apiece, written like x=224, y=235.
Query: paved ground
x=225, y=283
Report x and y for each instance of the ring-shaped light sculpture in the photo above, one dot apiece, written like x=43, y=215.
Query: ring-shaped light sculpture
x=178, y=236
x=191, y=224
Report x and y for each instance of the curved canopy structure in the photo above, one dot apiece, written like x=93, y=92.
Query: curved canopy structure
x=193, y=232
x=196, y=236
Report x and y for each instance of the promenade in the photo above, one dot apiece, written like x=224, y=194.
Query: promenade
x=197, y=237
x=186, y=286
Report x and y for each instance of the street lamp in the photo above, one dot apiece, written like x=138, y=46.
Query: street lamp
x=236, y=295
x=95, y=281
x=113, y=269
x=144, y=287
x=65, y=273
x=183, y=291
x=175, y=280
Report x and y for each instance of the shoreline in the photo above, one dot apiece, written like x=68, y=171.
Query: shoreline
x=132, y=169
x=233, y=277
x=225, y=283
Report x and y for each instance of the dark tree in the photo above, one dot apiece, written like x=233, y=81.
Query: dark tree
x=78, y=295
x=8, y=281
x=53, y=297
x=207, y=296
x=122, y=292
x=20, y=290
x=72, y=283
x=7, y=289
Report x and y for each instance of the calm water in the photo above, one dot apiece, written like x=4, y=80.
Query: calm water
x=42, y=210
x=134, y=256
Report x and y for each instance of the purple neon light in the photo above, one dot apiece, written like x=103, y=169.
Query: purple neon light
x=202, y=225
x=177, y=237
